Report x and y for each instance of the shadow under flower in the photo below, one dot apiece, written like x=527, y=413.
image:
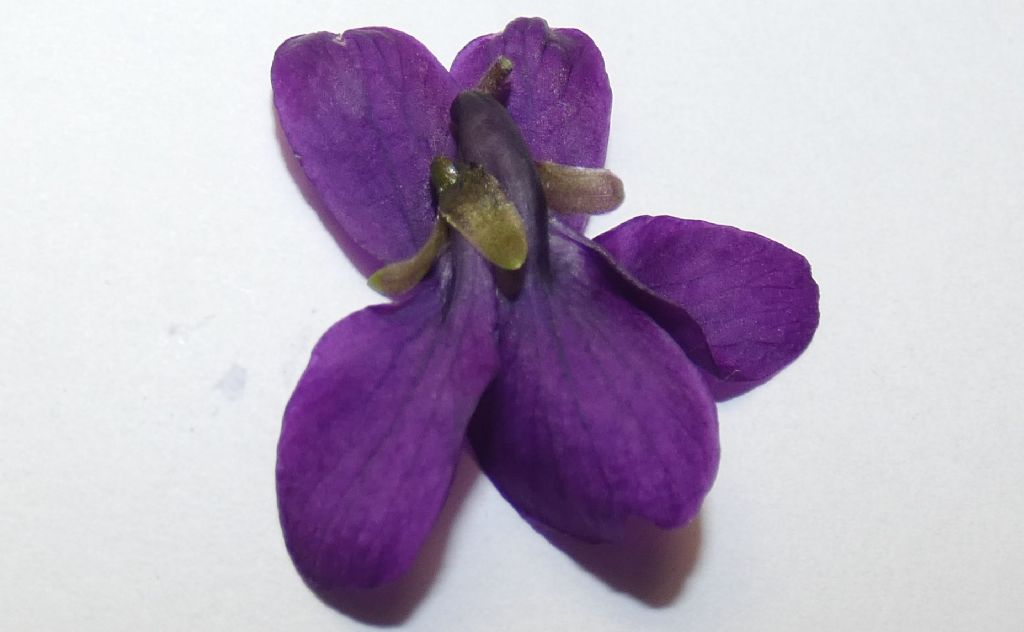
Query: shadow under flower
x=649, y=563
x=392, y=604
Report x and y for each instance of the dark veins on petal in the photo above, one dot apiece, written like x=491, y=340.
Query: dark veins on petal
x=597, y=415
x=753, y=299
x=373, y=431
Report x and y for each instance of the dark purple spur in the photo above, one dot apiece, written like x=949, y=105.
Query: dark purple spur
x=583, y=373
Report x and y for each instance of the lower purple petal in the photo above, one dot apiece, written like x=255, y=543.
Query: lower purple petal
x=373, y=431
x=597, y=415
x=754, y=299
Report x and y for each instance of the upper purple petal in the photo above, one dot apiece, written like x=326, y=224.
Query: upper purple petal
x=365, y=112
x=559, y=95
x=373, y=431
x=596, y=415
x=754, y=299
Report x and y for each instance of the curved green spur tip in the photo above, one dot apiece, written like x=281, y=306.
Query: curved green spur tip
x=401, y=276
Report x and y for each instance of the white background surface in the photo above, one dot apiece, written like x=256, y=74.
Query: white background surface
x=163, y=282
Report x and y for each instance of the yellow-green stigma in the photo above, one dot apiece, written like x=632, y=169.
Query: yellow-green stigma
x=472, y=202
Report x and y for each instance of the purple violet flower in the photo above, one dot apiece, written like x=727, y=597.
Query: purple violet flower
x=584, y=373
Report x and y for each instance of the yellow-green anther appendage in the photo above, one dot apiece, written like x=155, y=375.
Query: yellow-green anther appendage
x=478, y=208
x=401, y=276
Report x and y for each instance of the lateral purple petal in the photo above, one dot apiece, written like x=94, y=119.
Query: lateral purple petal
x=754, y=299
x=597, y=415
x=559, y=96
x=372, y=434
x=365, y=112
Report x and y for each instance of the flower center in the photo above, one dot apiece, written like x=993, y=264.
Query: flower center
x=496, y=196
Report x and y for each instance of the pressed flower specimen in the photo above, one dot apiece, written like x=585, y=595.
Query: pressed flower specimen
x=583, y=373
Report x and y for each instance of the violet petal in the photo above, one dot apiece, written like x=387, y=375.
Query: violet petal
x=372, y=434
x=754, y=299
x=597, y=414
x=559, y=91
x=365, y=113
